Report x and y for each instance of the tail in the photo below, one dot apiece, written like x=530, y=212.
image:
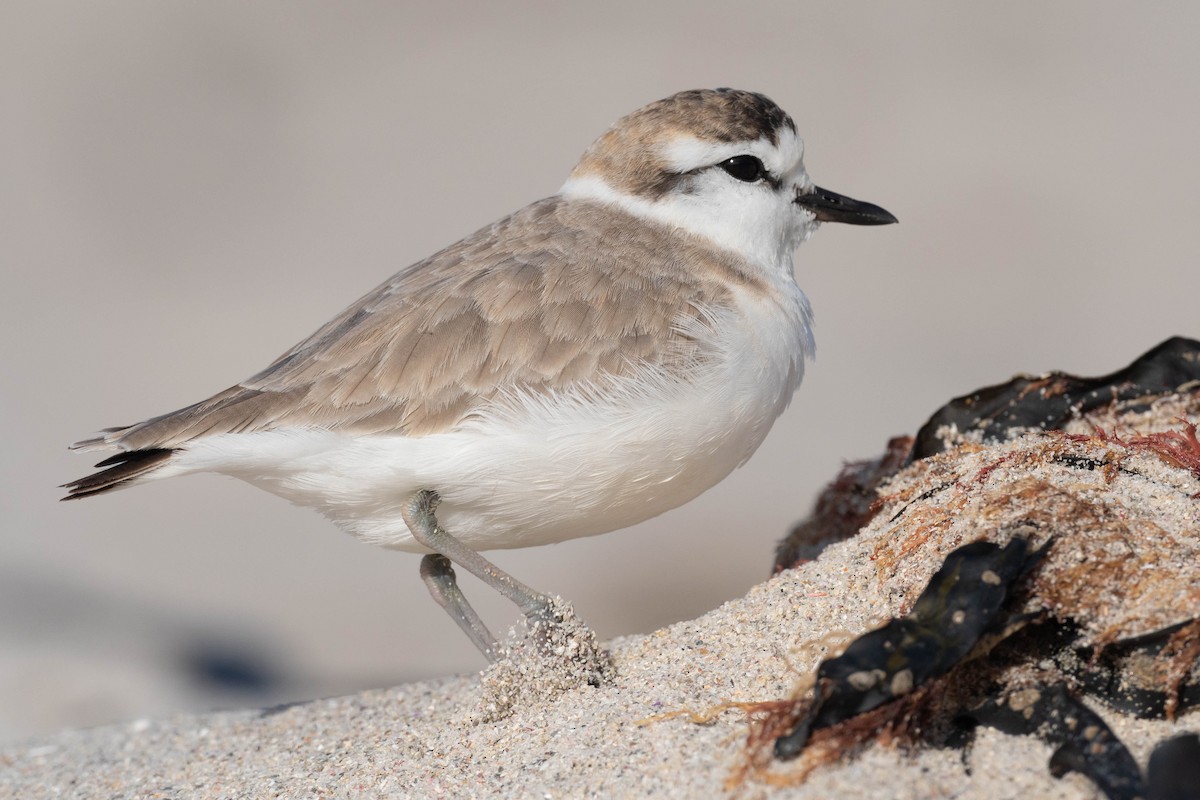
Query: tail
x=149, y=445
x=121, y=469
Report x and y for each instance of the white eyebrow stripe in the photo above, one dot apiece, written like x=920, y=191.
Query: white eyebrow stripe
x=685, y=153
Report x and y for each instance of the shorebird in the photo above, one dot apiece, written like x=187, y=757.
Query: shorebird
x=590, y=361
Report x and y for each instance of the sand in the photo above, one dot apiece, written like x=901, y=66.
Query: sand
x=427, y=739
x=511, y=732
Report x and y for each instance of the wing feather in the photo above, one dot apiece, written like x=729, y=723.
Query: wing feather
x=560, y=293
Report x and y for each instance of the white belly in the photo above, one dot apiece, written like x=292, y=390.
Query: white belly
x=545, y=469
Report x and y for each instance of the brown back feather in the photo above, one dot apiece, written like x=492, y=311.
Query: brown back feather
x=558, y=294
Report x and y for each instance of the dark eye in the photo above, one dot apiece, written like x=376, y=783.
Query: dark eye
x=744, y=168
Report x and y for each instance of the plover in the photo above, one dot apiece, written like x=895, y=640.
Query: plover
x=595, y=359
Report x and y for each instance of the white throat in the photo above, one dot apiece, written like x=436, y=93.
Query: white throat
x=759, y=232
x=760, y=224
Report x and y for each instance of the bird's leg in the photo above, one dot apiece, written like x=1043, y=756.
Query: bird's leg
x=418, y=512
x=439, y=579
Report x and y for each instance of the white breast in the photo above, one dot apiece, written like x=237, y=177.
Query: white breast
x=544, y=469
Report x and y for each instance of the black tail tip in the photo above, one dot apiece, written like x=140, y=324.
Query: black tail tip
x=120, y=470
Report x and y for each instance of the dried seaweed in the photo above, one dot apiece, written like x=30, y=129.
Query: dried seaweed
x=844, y=506
x=1049, y=401
x=1174, y=769
x=1055, y=465
x=959, y=604
x=1152, y=676
x=1085, y=743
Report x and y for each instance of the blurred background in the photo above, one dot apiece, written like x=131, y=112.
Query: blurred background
x=187, y=189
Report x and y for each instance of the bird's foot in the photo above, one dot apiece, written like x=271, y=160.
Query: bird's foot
x=559, y=654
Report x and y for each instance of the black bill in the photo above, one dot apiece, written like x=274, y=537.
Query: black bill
x=829, y=206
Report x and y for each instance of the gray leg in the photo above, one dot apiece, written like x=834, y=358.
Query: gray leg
x=439, y=579
x=418, y=512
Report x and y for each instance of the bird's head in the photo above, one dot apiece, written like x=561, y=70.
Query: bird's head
x=724, y=164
